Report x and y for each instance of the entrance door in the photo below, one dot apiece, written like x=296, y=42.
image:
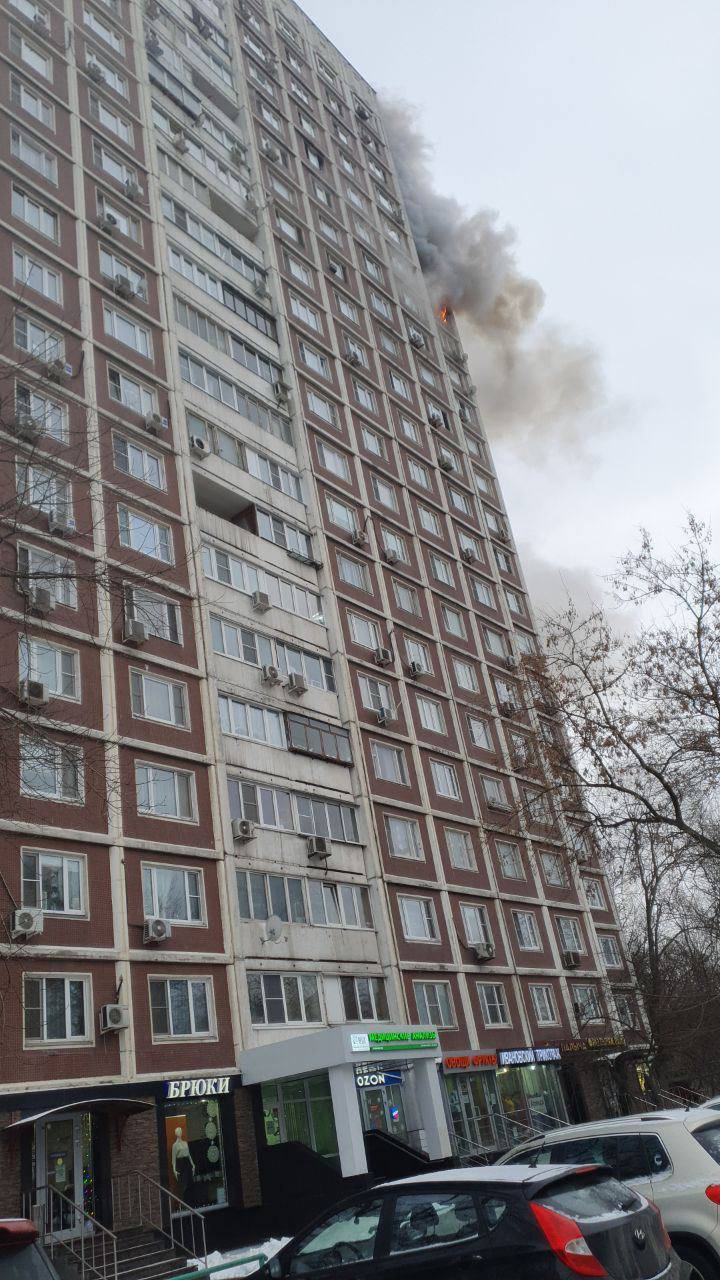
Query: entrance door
x=63, y=1158
x=383, y=1109
x=470, y=1112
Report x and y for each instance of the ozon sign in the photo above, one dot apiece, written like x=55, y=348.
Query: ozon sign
x=205, y=1087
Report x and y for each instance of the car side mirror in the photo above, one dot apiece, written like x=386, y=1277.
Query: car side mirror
x=275, y=1269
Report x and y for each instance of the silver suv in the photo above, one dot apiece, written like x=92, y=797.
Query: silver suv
x=672, y=1157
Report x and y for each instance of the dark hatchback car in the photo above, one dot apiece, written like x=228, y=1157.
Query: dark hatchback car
x=21, y=1257
x=497, y=1223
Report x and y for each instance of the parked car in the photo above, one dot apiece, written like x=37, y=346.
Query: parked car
x=21, y=1257
x=671, y=1157
x=491, y=1223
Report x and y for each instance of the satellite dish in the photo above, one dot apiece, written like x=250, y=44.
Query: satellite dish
x=273, y=929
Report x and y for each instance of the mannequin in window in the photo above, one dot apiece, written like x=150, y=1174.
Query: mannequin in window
x=183, y=1166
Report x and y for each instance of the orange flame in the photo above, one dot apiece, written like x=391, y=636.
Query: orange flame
x=444, y=313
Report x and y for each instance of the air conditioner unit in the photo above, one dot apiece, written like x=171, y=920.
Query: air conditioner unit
x=40, y=601
x=113, y=1017
x=155, y=929
x=511, y=661
x=508, y=709
x=261, y=291
x=383, y=657
x=203, y=26
x=26, y=922
x=271, y=675
x=359, y=538
x=153, y=45
x=237, y=153
x=134, y=633
x=362, y=112
x=571, y=959
x=199, y=447
x=33, y=693
x=354, y=359
x=416, y=670
x=435, y=419
x=61, y=524
x=334, y=268
x=132, y=189
x=445, y=463
x=382, y=715
x=108, y=222
x=28, y=428
x=260, y=601
x=56, y=370
x=281, y=392
x=40, y=25
x=242, y=829
x=152, y=9
x=467, y=554
x=95, y=73
x=154, y=422
x=390, y=556
x=503, y=535
x=484, y=951
x=296, y=684
x=416, y=339
x=270, y=152
x=123, y=287
x=181, y=143
x=319, y=847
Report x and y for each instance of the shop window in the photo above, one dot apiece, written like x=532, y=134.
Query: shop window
x=301, y=1111
x=195, y=1152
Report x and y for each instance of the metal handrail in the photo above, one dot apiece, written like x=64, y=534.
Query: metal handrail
x=94, y=1248
x=475, y=1148
x=203, y=1272
x=171, y=1213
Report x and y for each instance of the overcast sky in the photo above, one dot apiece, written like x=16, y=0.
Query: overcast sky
x=591, y=126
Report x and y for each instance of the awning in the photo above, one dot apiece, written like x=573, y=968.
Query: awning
x=107, y=1106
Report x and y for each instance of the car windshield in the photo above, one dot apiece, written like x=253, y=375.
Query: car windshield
x=346, y=1237
x=709, y=1139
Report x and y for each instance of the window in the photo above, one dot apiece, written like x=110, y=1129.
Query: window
x=258, y=724
x=594, y=894
x=306, y=314
x=465, y=675
x=261, y=896
x=274, y=807
x=418, y=917
x=31, y=273
x=495, y=643
x=44, y=489
x=282, y=534
x=377, y=695
x=553, y=869
x=113, y=165
x=333, y=461
x=147, y=536
x=384, y=493
x=394, y=543
x=346, y=307
x=130, y=393
x=364, y=631
x=460, y=849
x=314, y=359
x=460, y=501
x=35, y=214
x=122, y=222
x=421, y=476
x=299, y=270
x=51, y=771
x=57, y=1009
x=39, y=62
x=127, y=331
x=272, y=473
x=364, y=999
x=321, y=407
x=341, y=515
x=283, y=998
x=409, y=429
x=610, y=950
x=339, y=904
x=137, y=461
x=181, y=1008
x=318, y=817
x=353, y=572
x=587, y=1004
x=442, y=570
x=625, y=1010
x=406, y=597
x=543, y=1002
x=31, y=102
x=511, y=864
x=380, y=304
x=404, y=838
x=56, y=667
x=389, y=764
x=112, y=266
x=159, y=616
x=372, y=442
x=101, y=28
x=537, y=807
x=111, y=77
x=431, y=715
x=483, y=592
x=174, y=893
x=480, y=733
x=203, y=234
x=318, y=738
x=434, y=1004
x=317, y=670
x=570, y=935
x=475, y=923
x=418, y=653
x=54, y=882
x=445, y=779
x=39, y=342
x=526, y=930
x=226, y=342
x=38, y=568
x=164, y=793
x=495, y=793
x=365, y=396
x=493, y=1004
x=111, y=120
x=401, y=387
x=156, y=698
x=429, y=521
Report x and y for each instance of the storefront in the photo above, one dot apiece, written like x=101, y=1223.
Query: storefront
x=607, y=1076
x=327, y=1089
x=495, y=1100
x=473, y=1102
x=197, y=1121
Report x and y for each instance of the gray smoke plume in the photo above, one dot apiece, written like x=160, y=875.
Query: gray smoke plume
x=535, y=386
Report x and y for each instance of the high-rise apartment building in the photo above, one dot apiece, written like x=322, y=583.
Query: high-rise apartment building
x=277, y=862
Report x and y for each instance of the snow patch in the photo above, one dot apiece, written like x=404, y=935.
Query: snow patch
x=268, y=1247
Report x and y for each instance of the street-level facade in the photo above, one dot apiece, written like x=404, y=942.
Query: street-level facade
x=276, y=856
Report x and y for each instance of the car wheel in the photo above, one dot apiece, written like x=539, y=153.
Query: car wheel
x=700, y=1266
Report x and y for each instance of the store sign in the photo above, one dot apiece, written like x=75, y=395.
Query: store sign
x=527, y=1057
x=388, y=1041
x=593, y=1042
x=467, y=1061
x=376, y=1079
x=205, y=1087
